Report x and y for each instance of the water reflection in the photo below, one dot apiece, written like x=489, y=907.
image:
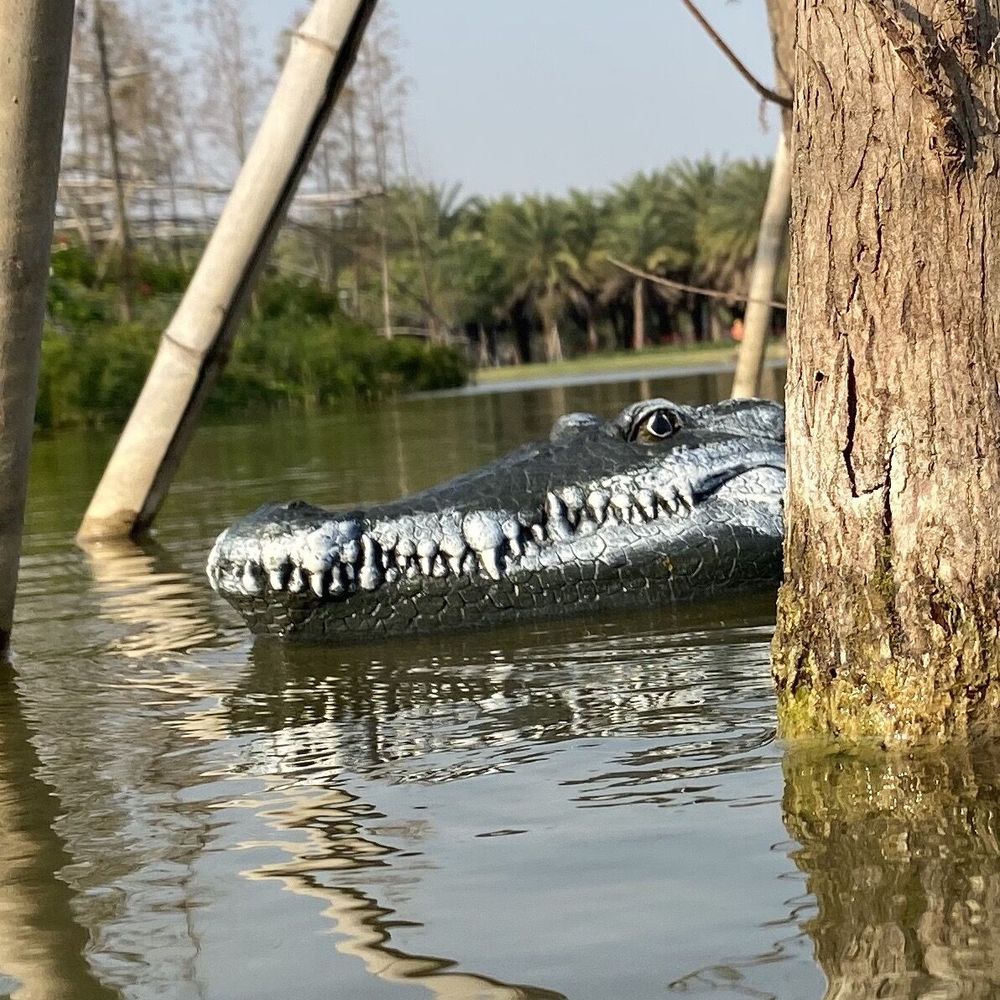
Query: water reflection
x=423, y=711
x=575, y=805
x=158, y=608
x=903, y=857
x=337, y=843
x=42, y=946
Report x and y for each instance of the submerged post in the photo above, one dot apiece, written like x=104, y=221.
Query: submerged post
x=33, y=74
x=195, y=346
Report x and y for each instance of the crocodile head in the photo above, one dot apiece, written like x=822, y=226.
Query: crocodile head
x=662, y=503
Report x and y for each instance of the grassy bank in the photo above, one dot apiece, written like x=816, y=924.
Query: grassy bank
x=623, y=361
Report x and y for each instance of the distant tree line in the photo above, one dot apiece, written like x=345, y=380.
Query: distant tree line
x=154, y=137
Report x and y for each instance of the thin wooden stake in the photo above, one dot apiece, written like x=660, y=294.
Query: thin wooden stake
x=195, y=346
x=33, y=76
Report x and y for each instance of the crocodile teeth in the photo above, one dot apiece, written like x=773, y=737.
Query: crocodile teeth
x=555, y=510
x=538, y=533
x=512, y=532
x=622, y=506
x=318, y=583
x=337, y=583
x=427, y=550
x=482, y=532
x=453, y=545
x=455, y=564
x=252, y=578
x=647, y=502
x=276, y=578
x=439, y=569
x=371, y=575
x=668, y=500
x=295, y=582
x=491, y=562
x=598, y=502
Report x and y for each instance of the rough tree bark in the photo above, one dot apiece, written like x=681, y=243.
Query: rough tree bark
x=889, y=616
x=774, y=219
x=33, y=76
x=194, y=347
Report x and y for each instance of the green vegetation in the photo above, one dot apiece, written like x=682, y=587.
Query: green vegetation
x=498, y=281
x=530, y=278
x=296, y=347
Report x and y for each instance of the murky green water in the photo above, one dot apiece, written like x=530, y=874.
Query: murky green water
x=591, y=809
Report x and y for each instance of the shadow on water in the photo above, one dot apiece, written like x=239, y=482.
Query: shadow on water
x=42, y=946
x=902, y=855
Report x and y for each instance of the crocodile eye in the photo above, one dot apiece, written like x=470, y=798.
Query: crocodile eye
x=658, y=425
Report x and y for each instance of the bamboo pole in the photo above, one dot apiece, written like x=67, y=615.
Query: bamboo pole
x=195, y=345
x=777, y=211
x=773, y=228
x=33, y=78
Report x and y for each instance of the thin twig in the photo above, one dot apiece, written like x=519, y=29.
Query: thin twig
x=710, y=293
x=765, y=92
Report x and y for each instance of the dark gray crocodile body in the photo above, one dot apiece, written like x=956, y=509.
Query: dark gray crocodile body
x=663, y=503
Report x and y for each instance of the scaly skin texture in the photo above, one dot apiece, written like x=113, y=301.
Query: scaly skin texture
x=662, y=503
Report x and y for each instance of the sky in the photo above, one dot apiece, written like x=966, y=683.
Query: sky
x=546, y=95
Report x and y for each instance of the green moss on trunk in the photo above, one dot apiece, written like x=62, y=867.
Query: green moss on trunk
x=866, y=683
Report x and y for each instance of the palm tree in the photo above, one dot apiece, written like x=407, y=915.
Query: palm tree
x=647, y=228
x=530, y=236
x=727, y=231
x=430, y=215
x=586, y=217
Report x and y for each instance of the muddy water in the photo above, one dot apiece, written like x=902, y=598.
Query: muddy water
x=590, y=809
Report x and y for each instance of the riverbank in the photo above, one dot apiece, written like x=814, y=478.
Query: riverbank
x=592, y=369
x=621, y=363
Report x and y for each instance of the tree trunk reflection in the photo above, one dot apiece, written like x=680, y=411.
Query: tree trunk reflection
x=903, y=857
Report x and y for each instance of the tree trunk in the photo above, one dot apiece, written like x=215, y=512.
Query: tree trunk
x=774, y=219
x=125, y=268
x=638, y=314
x=386, y=300
x=888, y=617
x=593, y=340
x=33, y=76
x=553, y=341
x=195, y=346
x=770, y=243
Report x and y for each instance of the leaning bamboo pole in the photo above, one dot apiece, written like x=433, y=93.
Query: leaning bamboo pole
x=195, y=345
x=33, y=78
